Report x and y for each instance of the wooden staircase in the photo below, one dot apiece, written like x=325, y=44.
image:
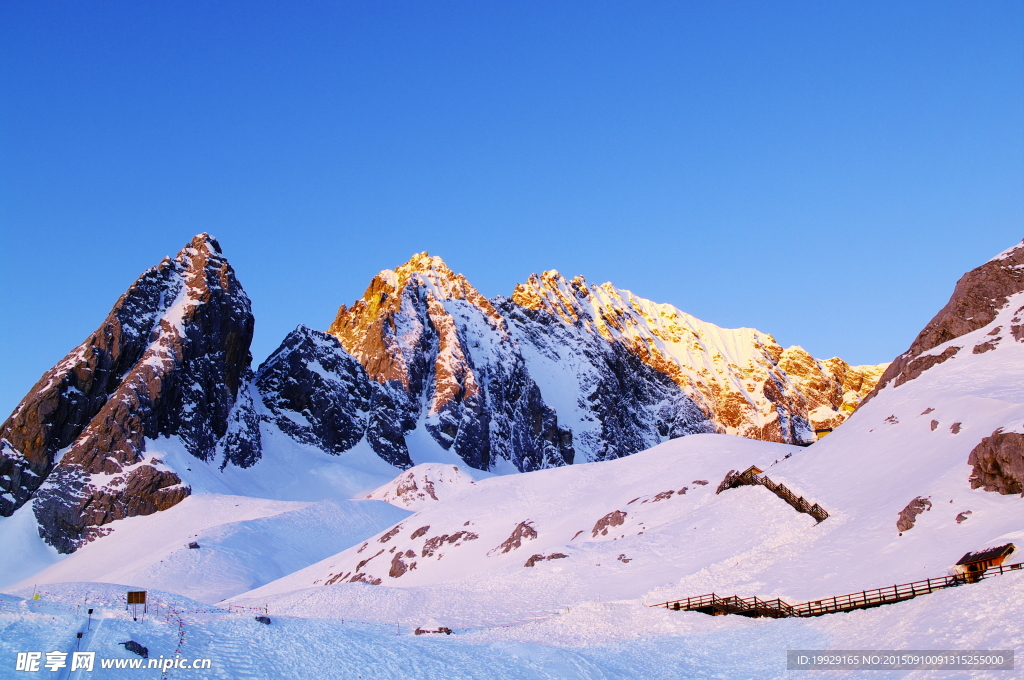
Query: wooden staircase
x=777, y=609
x=753, y=475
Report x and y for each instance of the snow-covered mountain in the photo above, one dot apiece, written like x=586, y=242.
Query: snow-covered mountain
x=548, y=573
x=564, y=371
x=930, y=468
x=617, y=349
x=421, y=369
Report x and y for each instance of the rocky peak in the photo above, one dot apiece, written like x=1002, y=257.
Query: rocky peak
x=978, y=297
x=553, y=293
x=386, y=328
x=168, y=360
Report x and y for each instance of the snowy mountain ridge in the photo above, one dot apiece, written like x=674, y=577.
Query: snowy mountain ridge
x=421, y=369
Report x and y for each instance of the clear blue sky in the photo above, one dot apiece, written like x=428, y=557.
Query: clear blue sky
x=822, y=171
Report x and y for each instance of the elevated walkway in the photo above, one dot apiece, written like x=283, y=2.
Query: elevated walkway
x=717, y=605
x=753, y=475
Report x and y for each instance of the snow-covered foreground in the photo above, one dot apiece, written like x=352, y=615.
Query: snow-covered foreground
x=595, y=641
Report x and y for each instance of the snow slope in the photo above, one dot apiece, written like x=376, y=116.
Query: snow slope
x=283, y=513
x=625, y=529
x=244, y=542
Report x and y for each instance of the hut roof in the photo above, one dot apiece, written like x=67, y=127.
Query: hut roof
x=990, y=554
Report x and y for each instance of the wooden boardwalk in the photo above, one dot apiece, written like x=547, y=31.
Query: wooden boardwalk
x=753, y=476
x=778, y=609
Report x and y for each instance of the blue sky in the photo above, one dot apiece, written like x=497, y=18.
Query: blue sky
x=822, y=171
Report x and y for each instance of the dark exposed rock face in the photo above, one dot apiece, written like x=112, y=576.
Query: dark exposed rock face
x=976, y=300
x=170, y=359
x=998, y=462
x=317, y=393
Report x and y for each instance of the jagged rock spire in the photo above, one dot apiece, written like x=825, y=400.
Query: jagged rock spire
x=169, y=359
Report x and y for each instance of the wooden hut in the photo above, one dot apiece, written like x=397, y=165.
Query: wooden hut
x=823, y=432
x=974, y=564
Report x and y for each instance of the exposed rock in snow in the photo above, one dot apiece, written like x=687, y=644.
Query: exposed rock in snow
x=523, y=531
x=612, y=519
x=998, y=463
x=441, y=348
x=908, y=515
x=423, y=485
x=534, y=559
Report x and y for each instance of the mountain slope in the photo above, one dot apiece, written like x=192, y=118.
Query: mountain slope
x=905, y=481
x=422, y=369
x=737, y=381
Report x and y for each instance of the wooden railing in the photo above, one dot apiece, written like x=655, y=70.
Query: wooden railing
x=755, y=607
x=750, y=477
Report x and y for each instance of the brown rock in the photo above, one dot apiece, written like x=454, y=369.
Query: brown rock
x=523, y=531
x=390, y=534
x=421, y=531
x=977, y=298
x=985, y=346
x=612, y=519
x=998, y=463
x=534, y=559
x=432, y=544
x=398, y=567
x=908, y=515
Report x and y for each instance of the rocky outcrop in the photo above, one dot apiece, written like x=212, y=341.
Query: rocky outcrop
x=975, y=303
x=422, y=486
x=612, y=519
x=998, y=463
x=831, y=388
x=535, y=559
x=908, y=515
x=524, y=531
x=169, y=360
